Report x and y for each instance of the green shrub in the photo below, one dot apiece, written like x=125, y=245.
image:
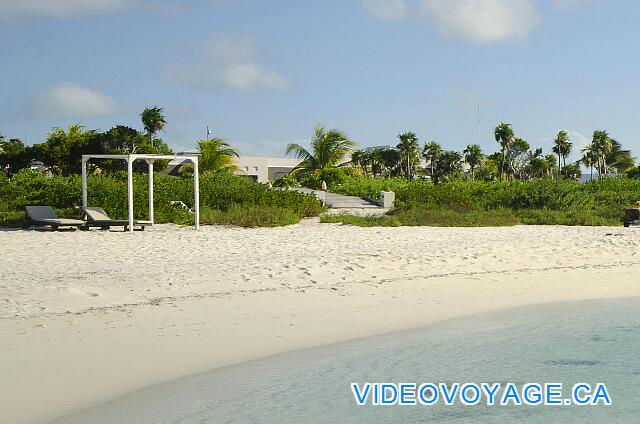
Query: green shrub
x=11, y=219
x=286, y=181
x=471, y=218
x=548, y=217
x=217, y=192
x=457, y=218
x=361, y=221
x=250, y=216
x=333, y=177
x=566, y=202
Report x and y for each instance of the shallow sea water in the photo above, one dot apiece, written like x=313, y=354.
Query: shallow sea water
x=591, y=341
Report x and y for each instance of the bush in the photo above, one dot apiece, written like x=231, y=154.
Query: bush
x=361, y=221
x=333, y=177
x=217, y=192
x=250, y=216
x=542, y=201
x=457, y=218
x=368, y=186
x=286, y=181
x=471, y=218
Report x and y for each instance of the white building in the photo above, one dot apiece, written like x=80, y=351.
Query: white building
x=260, y=168
x=264, y=169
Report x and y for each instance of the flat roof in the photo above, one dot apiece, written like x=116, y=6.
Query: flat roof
x=135, y=156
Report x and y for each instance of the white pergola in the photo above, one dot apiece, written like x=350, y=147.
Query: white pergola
x=150, y=159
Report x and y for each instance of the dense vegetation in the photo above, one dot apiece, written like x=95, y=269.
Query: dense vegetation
x=517, y=184
x=463, y=202
x=516, y=159
x=224, y=198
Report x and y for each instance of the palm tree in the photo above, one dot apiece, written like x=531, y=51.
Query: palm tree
x=328, y=149
x=589, y=157
x=562, y=147
x=360, y=158
x=216, y=155
x=449, y=163
x=409, y=151
x=518, y=154
x=432, y=152
x=376, y=160
x=473, y=156
x=503, y=134
x=602, y=145
x=153, y=120
x=551, y=162
x=619, y=158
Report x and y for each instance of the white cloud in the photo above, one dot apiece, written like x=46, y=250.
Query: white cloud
x=385, y=9
x=483, y=21
x=61, y=8
x=580, y=141
x=69, y=100
x=226, y=61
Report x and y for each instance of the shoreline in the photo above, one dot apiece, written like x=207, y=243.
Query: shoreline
x=187, y=395
x=58, y=362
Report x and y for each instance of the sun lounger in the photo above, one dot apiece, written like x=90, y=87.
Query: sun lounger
x=97, y=217
x=46, y=216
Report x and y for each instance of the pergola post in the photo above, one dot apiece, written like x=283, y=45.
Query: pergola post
x=150, y=159
x=130, y=160
x=196, y=192
x=84, y=182
x=150, y=163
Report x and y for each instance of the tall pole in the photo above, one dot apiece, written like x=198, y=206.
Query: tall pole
x=84, y=182
x=150, y=164
x=130, y=191
x=196, y=192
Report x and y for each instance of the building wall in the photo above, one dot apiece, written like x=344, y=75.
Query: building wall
x=261, y=168
x=265, y=169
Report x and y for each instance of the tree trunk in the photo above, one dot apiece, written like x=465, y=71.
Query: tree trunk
x=502, y=164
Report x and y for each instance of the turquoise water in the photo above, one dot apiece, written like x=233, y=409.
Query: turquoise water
x=594, y=341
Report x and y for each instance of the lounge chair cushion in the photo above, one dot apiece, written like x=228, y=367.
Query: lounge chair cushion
x=46, y=215
x=99, y=216
x=96, y=214
x=38, y=213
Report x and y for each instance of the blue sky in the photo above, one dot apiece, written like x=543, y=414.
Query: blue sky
x=262, y=73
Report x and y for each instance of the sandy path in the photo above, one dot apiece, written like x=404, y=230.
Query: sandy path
x=85, y=317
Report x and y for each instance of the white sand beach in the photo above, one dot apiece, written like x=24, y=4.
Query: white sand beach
x=89, y=316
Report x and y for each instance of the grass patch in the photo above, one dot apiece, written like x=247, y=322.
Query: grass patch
x=457, y=218
x=11, y=219
x=249, y=216
x=473, y=218
x=547, y=217
x=542, y=201
x=361, y=221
